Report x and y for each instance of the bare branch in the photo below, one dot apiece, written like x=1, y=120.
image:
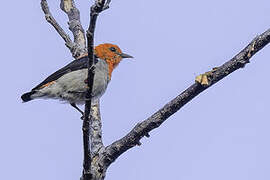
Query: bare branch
x=68, y=6
x=89, y=122
x=57, y=27
x=113, y=151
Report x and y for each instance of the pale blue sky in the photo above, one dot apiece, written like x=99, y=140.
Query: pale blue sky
x=222, y=134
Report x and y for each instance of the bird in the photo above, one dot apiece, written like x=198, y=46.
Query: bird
x=69, y=84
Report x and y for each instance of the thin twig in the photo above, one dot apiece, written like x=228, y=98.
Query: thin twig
x=57, y=27
x=113, y=151
x=69, y=7
x=88, y=121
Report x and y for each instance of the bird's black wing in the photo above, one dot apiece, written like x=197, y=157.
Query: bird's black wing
x=73, y=66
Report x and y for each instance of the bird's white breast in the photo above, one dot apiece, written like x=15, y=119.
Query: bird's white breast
x=71, y=87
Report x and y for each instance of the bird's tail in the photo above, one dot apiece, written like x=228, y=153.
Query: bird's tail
x=27, y=96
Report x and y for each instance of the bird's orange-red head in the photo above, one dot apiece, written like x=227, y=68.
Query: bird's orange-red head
x=111, y=53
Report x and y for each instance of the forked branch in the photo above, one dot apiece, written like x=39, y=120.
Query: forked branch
x=49, y=17
x=78, y=47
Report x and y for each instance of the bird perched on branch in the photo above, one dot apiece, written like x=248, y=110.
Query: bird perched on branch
x=70, y=82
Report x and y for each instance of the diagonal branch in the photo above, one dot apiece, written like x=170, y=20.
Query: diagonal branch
x=68, y=6
x=57, y=27
x=89, y=123
x=113, y=151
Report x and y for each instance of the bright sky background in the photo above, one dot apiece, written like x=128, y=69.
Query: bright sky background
x=222, y=134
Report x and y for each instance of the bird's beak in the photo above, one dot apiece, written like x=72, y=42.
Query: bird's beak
x=123, y=55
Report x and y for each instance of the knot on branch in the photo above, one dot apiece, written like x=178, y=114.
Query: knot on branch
x=242, y=63
x=66, y=5
x=205, y=79
x=99, y=6
x=74, y=25
x=76, y=50
x=89, y=34
x=48, y=17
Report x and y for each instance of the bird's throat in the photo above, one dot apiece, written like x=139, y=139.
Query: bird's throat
x=110, y=69
x=111, y=66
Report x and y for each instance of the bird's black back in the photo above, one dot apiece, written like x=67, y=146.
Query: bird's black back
x=73, y=66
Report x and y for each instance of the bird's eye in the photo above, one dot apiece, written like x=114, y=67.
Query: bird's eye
x=113, y=49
